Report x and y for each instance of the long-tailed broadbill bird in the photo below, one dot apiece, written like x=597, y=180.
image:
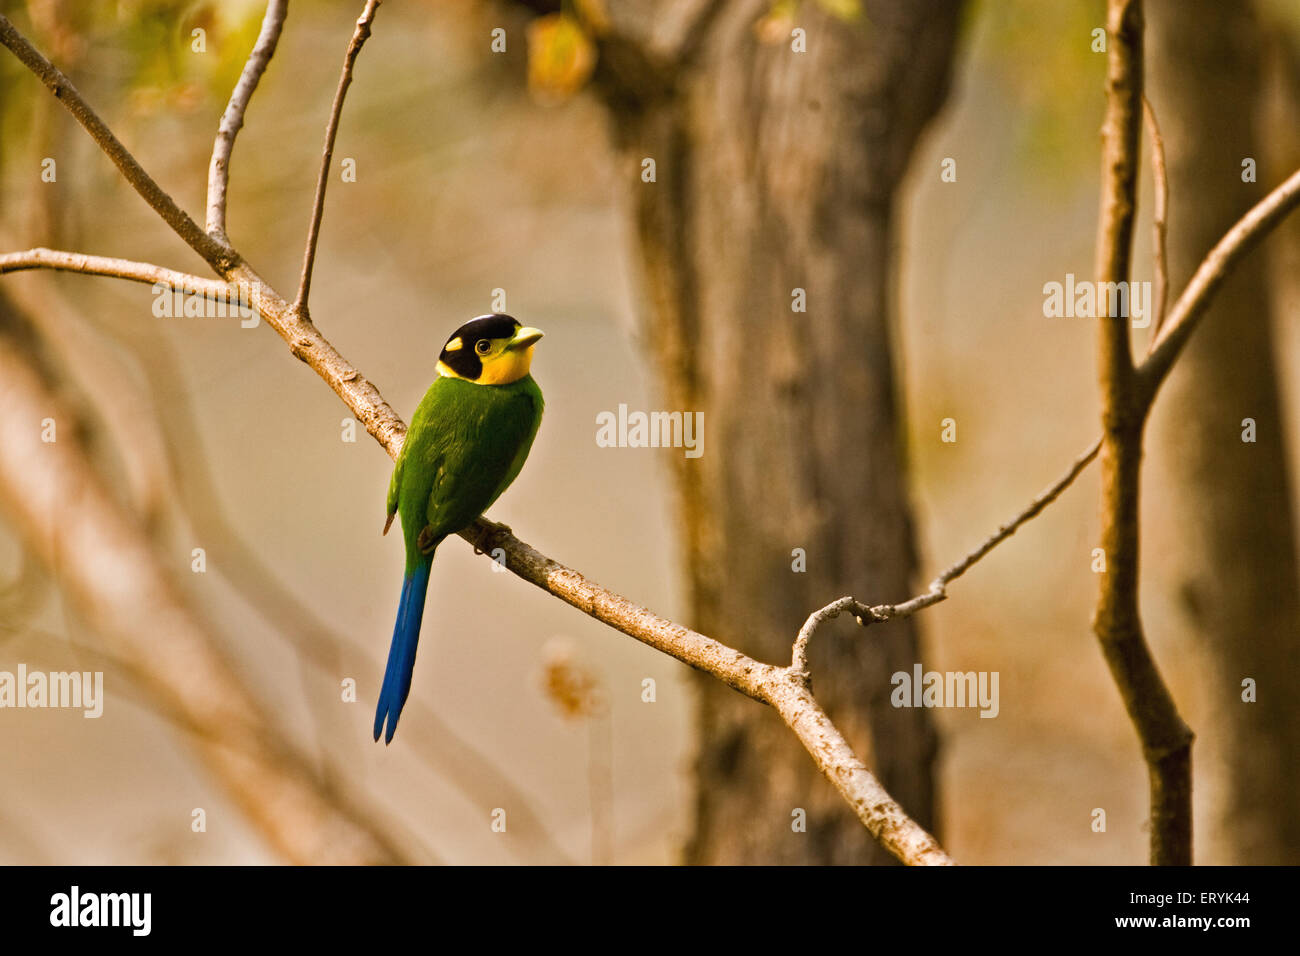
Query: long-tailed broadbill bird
x=467, y=442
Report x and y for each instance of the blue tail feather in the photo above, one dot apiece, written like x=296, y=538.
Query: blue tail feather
x=401, y=653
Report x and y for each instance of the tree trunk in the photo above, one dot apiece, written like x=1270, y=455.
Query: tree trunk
x=775, y=171
x=1234, y=564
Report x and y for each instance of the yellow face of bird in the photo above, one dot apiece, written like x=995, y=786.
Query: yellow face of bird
x=489, y=350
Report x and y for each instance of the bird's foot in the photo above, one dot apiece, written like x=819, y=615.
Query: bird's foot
x=493, y=527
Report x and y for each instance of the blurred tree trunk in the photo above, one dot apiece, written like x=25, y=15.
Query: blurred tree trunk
x=775, y=171
x=1235, y=564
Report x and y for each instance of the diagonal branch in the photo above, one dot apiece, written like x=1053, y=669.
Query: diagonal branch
x=784, y=689
x=359, y=37
x=304, y=339
x=938, y=589
x=1211, y=273
x=1035, y=507
x=232, y=120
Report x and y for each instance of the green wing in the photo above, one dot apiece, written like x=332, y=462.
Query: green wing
x=394, y=487
x=467, y=443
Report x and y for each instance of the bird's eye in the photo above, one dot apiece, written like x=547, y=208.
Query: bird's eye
x=482, y=346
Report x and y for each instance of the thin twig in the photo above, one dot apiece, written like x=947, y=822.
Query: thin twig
x=1213, y=270
x=1044, y=499
x=864, y=614
x=799, y=657
x=163, y=204
x=359, y=37
x=1159, y=220
x=232, y=120
x=937, y=591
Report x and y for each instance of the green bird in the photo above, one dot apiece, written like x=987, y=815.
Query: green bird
x=467, y=442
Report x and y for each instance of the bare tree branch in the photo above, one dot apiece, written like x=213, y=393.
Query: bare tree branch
x=359, y=37
x=61, y=261
x=1127, y=395
x=785, y=690
x=1211, y=273
x=1045, y=498
x=310, y=346
x=799, y=657
x=304, y=340
x=232, y=120
x=937, y=591
x=1166, y=740
x=1120, y=137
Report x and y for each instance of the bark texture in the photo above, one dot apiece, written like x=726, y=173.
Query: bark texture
x=776, y=170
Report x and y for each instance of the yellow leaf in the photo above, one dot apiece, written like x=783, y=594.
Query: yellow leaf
x=560, y=57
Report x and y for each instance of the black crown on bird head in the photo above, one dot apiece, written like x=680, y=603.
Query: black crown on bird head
x=459, y=355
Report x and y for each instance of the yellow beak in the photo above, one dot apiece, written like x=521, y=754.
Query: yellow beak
x=525, y=337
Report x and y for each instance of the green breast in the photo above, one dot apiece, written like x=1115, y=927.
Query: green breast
x=466, y=444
